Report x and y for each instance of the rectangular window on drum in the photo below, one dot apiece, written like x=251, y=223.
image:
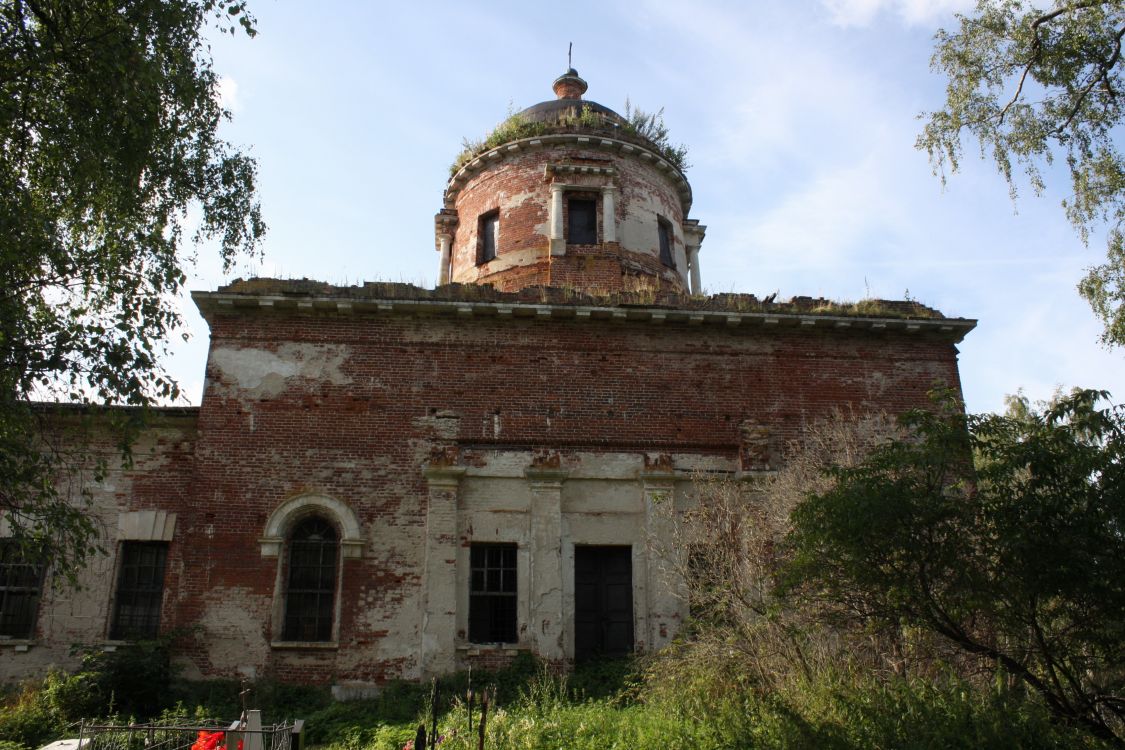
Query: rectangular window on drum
x=664, y=230
x=489, y=232
x=582, y=221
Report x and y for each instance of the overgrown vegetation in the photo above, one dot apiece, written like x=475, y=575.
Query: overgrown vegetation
x=94, y=204
x=1037, y=86
x=651, y=127
x=879, y=573
x=641, y=293
x=678, y=700
x=1017, y=567
x=636, y=125
x=134, y=681
x=871, y=308
x=936, y=581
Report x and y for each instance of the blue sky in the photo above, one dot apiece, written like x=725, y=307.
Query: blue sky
x=800, y=120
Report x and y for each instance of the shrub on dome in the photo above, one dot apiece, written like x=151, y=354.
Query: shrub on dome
x=637, y=123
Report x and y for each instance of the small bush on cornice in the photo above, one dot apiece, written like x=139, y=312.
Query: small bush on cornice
x=638, y=124
x=514, y=128
x=651, y=127
x=872, y=308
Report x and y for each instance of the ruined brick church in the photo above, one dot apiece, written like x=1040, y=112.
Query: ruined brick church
x=384, y=481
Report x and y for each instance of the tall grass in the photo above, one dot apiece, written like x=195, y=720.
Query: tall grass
x=833, y=712
x=669, y=702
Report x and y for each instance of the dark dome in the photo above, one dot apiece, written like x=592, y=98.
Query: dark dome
x=556, y=110
x=569, y=88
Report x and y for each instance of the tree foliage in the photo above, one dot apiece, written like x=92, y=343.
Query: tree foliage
x=1020, y=563
x=109, y=114
x=1032, y=85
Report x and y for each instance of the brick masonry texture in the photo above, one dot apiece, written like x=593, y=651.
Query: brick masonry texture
x=519, y=188
x=160, y=477
x=550, y=398
x=355, y=407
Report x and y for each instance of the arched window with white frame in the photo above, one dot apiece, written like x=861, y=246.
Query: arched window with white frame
x=313, y=553
x=311, y=536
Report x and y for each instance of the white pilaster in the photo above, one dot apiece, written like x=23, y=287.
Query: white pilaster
x=662, y=606
x=609, y=216
x=439, y=610
x=446, y=241
x=555, y=221
x=547, y=626
x=693, y=239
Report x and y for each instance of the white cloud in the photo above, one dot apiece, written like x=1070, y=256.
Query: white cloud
x=774, y=85
x=829, y=221
x=228, y=94
x=774, y=117
x=912, y=12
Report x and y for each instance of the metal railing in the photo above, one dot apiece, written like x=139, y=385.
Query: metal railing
x=241, y=735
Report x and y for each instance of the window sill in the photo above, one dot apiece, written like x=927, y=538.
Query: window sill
x=305, y=645
x=476, y=649
x=109, y=645
x=19, y=645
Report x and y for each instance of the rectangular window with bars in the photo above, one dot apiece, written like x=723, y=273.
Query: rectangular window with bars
x=664, y=232
x=489, y=233
x=492, y=593
x=21, y=582
x=582, y=221
x=140, y=590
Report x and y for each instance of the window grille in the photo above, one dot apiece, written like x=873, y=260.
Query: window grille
x=492, y=593
x=489, y=236
x=664, y=230
x=140, y=590
x=311, y=589
x=582, y=221
x=21, y=582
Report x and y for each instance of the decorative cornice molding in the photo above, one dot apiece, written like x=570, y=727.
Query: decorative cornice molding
x=545, y=477
x=441, y=476
x=213, y=304
x=580, y=140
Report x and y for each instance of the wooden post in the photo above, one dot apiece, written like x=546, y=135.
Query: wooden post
x=483, y=718
x=469, y=700
x=433, y=710
x=420, y=738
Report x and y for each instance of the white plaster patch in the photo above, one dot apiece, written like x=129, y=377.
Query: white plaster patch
x=264, y=373
x=232, y=625
x=600, y=496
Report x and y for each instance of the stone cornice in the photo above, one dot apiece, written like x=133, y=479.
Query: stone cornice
x=155, y=416
x=581, y=140
x=212, y=304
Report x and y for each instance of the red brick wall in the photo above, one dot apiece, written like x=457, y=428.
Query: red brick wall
x=518, y=187
x=553, y=383
x=158, y=478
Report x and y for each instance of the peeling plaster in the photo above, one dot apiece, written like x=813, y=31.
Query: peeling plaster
x=265, y=373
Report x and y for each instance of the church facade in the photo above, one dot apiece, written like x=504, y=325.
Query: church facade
x=383, y=481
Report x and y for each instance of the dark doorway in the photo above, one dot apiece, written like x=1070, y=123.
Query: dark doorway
x=603, y=602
